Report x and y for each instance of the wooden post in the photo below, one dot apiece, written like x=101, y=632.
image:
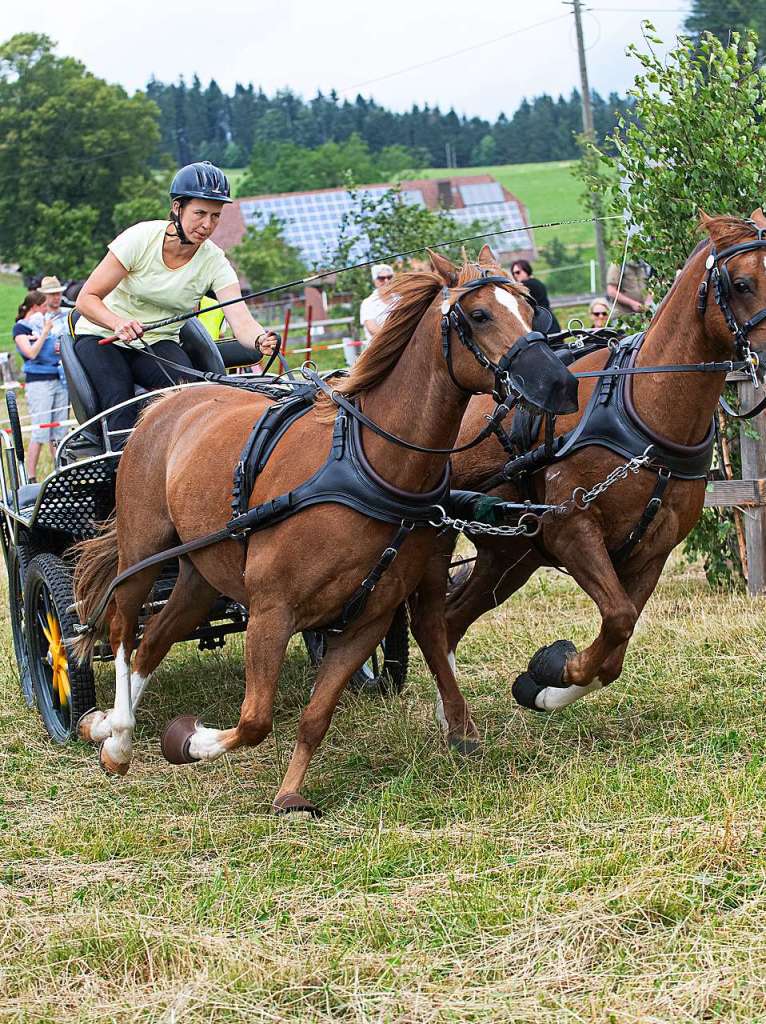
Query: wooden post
x=754, y=467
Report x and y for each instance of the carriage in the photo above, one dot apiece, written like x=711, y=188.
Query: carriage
x=40, y=524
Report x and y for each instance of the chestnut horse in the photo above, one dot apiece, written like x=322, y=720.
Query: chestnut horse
x=689, y=327
x=175, y=484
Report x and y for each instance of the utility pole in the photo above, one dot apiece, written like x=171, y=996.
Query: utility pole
x=588, y=131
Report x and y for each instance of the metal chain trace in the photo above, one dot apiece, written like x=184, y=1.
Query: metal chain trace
x=530, y=523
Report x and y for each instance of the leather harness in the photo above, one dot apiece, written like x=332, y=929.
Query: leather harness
x=611, y=421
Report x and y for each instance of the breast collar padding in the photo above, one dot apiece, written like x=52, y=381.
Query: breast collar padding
x=346, y=478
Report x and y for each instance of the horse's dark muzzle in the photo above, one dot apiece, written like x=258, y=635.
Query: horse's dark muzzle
x=535, y=373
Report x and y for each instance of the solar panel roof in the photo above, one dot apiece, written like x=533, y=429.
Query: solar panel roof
x=311, y=222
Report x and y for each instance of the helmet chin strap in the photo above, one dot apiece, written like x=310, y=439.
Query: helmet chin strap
x=176, y=220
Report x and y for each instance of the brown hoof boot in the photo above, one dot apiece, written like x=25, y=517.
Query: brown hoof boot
x=464, y=745
x=176, y=739
x=294, y=803
x=84, y=724
x=109, y=765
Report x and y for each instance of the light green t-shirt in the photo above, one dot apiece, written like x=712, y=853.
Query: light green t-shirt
x=151, y=290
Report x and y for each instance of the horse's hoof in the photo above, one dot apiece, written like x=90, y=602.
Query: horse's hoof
x=176, y=739
x=294, y=803
x=109, y=765
x=525, y=689
x=547, y=665
x=464, y=745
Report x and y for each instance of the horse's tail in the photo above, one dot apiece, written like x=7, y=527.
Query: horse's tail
x=96, y=567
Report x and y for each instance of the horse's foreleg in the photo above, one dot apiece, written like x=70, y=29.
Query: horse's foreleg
x=558, y=675
x=639, y=586
x=343, y=657
x=429, y=629
x=185, y=738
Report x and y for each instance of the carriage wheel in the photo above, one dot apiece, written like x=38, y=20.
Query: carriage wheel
x=63, y=688
x=19, y=557
x=385, y=671
x=15, y=424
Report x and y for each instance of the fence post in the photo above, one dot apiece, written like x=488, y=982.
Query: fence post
x=753, y=451
x=593, y=277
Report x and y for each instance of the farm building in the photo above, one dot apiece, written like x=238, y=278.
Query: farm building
x=312, y=220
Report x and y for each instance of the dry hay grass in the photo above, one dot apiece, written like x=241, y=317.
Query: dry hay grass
x=604, y=864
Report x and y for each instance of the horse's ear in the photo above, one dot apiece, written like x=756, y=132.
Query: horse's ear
x=486, y=255
x=443, y=267
x=758, y=218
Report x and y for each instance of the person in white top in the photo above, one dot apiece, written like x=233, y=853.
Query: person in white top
x=375, y=309
x=154, y=270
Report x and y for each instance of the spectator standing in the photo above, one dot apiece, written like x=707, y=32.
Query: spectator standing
x=631, y=293
x=47, y=398
x=522, y=273
x=375, y=308
x=53, y=291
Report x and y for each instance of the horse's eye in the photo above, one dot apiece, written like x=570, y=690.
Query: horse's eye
x=480, y=316
x=742, y=286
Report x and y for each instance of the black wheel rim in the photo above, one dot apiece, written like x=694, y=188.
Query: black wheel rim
x=48, y=661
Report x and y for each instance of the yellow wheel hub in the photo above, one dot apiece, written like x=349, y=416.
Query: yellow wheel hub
x=57, y=660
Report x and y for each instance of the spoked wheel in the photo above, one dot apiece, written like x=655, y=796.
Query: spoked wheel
x=63, y=688
x=19, y=557
x=385, y=671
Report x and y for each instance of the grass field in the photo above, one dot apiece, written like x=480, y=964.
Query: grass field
x=604, y=864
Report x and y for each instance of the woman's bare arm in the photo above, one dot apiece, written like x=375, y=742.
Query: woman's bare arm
x=247, y=330
x=90, y=301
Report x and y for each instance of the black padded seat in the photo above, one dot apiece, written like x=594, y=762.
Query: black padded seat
x=193, y=337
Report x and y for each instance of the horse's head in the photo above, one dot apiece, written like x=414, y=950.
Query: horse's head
x=732, y=295
x=497, y=350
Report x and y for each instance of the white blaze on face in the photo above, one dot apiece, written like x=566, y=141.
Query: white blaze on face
x=509, y=301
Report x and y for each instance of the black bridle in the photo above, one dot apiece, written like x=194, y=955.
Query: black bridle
x=718, y=279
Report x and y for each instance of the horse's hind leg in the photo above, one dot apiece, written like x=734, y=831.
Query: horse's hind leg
x=186, y=608
x=268, y=631
x=429, y=629
x=342, y=658
x=117, y=746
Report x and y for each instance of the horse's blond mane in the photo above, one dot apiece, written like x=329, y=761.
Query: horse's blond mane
x=414, y=292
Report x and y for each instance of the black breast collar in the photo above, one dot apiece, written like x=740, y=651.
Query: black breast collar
x=346, y=478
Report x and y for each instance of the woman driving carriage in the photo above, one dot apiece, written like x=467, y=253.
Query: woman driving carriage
x=154, y=270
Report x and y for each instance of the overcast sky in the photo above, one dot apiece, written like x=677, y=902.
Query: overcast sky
x=354, y=45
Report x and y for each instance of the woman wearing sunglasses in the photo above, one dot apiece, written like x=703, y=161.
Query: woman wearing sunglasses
x=599, y=312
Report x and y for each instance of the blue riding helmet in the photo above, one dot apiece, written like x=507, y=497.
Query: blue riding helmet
x=201, y=180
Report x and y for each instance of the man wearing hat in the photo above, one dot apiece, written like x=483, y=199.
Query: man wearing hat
x=375, y=308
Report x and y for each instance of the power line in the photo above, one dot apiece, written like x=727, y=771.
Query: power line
x=455, y=53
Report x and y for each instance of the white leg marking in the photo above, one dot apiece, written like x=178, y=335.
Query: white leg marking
x=101, y=726
x=553, y=698
x=119, y=746
x=205, y=744
x=441, y=718
x=137, y=687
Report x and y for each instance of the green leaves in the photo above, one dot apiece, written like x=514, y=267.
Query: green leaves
x=265, y=258
x=66, y=137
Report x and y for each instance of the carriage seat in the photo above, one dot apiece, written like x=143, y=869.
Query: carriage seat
x=194, y=339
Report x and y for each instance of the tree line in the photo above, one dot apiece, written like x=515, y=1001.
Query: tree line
x=204, y=123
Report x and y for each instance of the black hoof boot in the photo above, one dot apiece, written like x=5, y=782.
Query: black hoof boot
x=548, y=664
x=524, y=691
